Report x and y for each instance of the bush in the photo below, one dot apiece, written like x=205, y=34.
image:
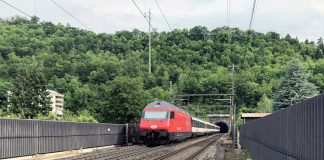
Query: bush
x=82, y=116
x=50, y=116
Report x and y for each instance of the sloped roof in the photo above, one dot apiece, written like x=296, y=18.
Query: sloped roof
x=254, y=115
x=160, y=104
x=164, y=104
x=219, y=115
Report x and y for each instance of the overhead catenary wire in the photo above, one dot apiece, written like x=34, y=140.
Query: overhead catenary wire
x=16, y=9
x=66, y=11
x=252, y=14
x=143, y=15
x=166, y=20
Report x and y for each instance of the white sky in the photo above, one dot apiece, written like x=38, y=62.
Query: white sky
x=301, y=18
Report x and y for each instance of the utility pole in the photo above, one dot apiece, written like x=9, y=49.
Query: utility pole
x=170, y=92
x=150, y=25
x=252, y=14
x=234, y=108
x=150, y=65
x=233, y=91
x=170, y=89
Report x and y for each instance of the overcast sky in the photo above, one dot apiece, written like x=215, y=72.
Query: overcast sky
x=301, y=18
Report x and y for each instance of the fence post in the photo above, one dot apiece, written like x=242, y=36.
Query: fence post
x=37, y=150
x=126, y=134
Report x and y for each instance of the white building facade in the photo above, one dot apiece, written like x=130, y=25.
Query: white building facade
x=57, y=102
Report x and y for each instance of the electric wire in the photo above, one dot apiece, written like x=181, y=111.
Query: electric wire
x=163, y=15
x=252, y=14
x=66, y=11
x=16, y=9
x=143, y=15
x=255, y=11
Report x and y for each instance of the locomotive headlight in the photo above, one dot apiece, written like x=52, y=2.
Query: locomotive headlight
x=154, y=126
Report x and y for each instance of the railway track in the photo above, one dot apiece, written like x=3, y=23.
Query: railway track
x=131, y=152
x=112, y=154
x=195, y=149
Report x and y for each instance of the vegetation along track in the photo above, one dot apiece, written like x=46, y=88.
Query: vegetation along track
x=197, y=147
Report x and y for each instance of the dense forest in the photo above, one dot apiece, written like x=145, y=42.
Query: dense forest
x=106, y=75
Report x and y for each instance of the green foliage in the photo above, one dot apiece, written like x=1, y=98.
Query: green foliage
x=4, y=88
x=244, y=109
x=82, y=116
x=246, y=154
x=265, y=105
x=49, y=116
x=29, y=97
x=85, y=66
x=126, y=100
x=158, y=93
x=2, y=113
x=294, y=86
x=85, y=117
x=5, y=114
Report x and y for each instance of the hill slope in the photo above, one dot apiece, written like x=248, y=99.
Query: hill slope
x=91, y=69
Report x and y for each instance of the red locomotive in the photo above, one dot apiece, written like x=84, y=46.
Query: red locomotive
x=163, y=122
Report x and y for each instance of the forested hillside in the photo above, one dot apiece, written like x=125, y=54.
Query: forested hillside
x=107, y=74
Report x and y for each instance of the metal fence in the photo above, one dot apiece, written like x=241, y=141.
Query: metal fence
x=295, y=133
x=30, y=137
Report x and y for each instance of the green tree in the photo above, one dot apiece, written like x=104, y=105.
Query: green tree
x=82, y=64
x=29, y=96
x=81, y=116
x=265, y=105
x=294, y=86
x=126, y=100
x=4, y=88
x=158, y=93
x=320, y=49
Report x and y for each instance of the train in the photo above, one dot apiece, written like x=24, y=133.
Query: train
x=162, y=123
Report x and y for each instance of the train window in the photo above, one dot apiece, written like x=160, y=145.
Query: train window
x=155, y=114
x=171, y=115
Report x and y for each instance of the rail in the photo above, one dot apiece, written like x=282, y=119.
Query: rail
x=204, y=143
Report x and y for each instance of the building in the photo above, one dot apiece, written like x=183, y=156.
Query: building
x=247, y=117
x=57, y=102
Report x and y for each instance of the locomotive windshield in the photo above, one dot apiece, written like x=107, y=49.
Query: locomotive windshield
x=155, y=114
